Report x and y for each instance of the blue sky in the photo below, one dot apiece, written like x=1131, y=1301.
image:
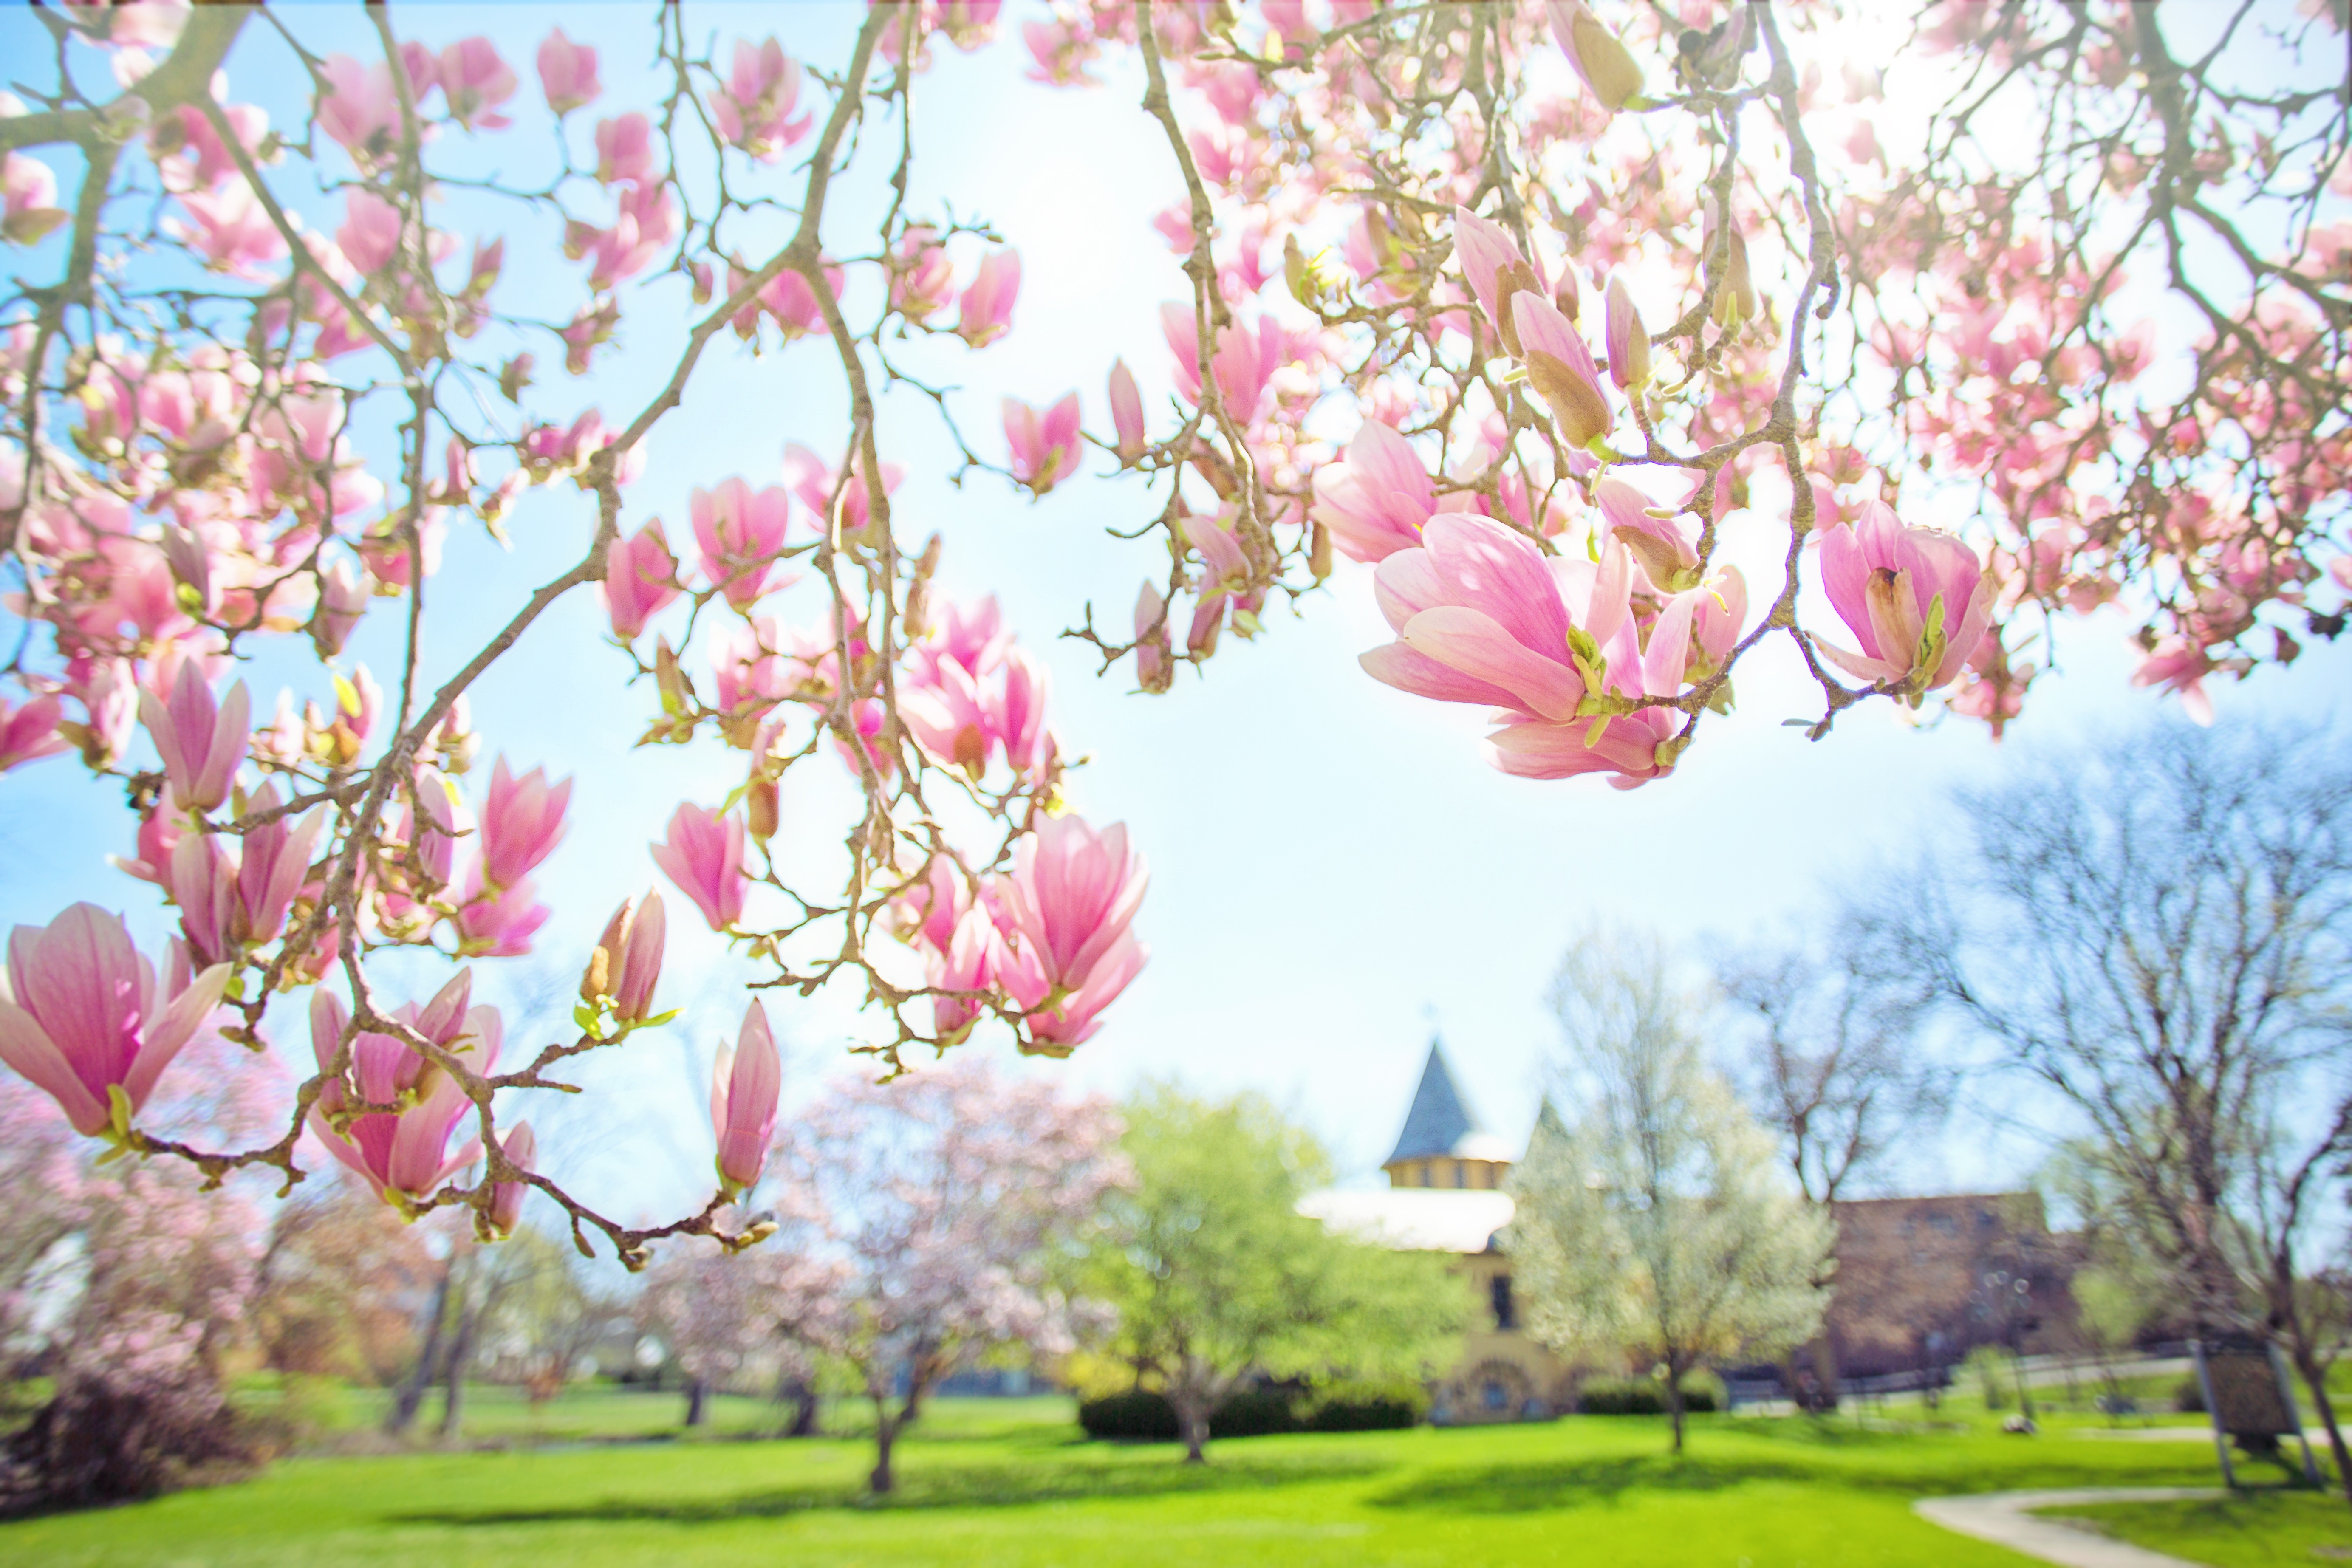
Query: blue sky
x=1335, y=871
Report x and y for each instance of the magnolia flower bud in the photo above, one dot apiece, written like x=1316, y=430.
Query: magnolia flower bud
x=1628, y=340
x=506, y=1197
x=760, y=807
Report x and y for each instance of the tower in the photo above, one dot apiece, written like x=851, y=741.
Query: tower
x=1442, y=1144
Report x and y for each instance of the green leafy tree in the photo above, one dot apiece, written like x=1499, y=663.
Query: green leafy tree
x=1216, y=1275
x=1658, y=1225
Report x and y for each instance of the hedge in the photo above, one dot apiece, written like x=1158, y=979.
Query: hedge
x=1642, y=1397
x=1140, y=1416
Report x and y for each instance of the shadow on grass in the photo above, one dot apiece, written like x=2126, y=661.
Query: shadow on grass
x=923, y=1487
x=1534, y=1486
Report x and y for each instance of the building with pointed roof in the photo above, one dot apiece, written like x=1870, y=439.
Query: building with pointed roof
x=1445, y=1175
x=1442, y=1144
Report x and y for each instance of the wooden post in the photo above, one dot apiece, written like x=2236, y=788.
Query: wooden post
x=2294, y=1414
x=2213, y=1414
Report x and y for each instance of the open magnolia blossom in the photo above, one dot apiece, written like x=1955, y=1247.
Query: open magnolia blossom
x=1527, y=319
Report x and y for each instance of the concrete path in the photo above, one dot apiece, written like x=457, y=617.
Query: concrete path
x=2002, y=1518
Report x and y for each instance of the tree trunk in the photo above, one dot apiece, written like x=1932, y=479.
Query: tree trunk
x=1825, y=1370
x=1675, y=1406
x=802, y=1392
x=698, y=1401
x=409, y=1397
x=886, y=1432
x=2315, y=1378
x=453, y=1375
x=1193, y=1425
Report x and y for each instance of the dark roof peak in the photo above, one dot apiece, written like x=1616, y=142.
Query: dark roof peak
x=1440, y=1124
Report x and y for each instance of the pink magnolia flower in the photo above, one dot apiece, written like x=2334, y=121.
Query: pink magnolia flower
x=81, y=1016
x=704, y=856
x=403, y=1155
x=29, y=734
x=1495, y=269
x=627, y=960
x=344, y=597
x=1153, y=671
x=370, y=236
x=521, y=823
x=740, y=531
x=923, y=279
x=744, y=1085
x=1071, y=896
x=498, y=923
x=201, y=745
x=202, y=878
x=963, y=963
x=276, y=863
x=625, y=149
x=1376, y=499
x=1627, y=340
x=1127, y=411
x=1604, y=63
x=31, y=192
x=1243, y=363
x=1720, y=615
x=423, y=68
x=640, y=579
x=788, y=301
x=972, y=634
x=813, y=479
x=1918, y=599
x=987, y=305
x=754, y=109
x=944, y=709
x=360, y=108
x=1044, y=447
x=1561, y=368
x=567, y=73
x=232, y=231
x=1667, y=551
x=1016, y=712
x=1055, y=1029
x=2180, y=667
x=518, y=1146
x=1482, y=615
x=476, y=80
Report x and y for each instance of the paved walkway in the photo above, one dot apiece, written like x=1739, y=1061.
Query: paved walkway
x=2002, y=1518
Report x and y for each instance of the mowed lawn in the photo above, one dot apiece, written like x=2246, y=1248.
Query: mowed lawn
x=1010, y=1482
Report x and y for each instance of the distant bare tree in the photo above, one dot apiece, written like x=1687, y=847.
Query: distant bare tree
x=1832, y=1066
x=2161, y=931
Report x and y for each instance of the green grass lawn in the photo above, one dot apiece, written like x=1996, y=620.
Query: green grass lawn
x=1008, y=1482
x=2260, y=1530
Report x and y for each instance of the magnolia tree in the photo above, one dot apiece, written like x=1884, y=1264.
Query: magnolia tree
x=251, y=384
x=931, y=1212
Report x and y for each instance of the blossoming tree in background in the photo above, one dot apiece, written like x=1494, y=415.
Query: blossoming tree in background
x=1802, y=343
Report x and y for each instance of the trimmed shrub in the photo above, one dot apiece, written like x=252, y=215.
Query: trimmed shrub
x=1640, y=1396
x=1368, y=1407
x=1253, y=1415
x=1140, y=1416
x=2190, y=1397
x=1137, y=1415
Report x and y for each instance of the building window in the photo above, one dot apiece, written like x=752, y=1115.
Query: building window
x=1507, y=1316
x=1496, y=1396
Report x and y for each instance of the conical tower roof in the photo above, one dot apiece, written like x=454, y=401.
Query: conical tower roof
x=1440, y=1124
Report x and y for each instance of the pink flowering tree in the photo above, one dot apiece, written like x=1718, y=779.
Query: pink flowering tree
x=935, y=1204
x=725, y=1320
x=1572, y=303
